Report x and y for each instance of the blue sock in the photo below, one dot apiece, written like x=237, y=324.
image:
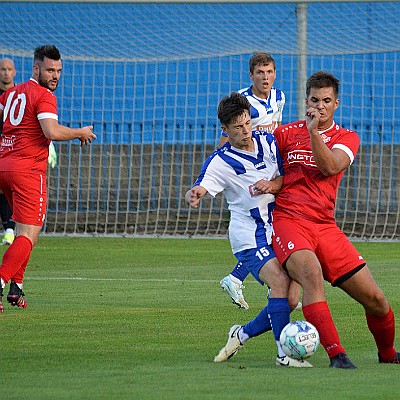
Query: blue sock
x=259, y=324
x=279, y=314
x=240, y=272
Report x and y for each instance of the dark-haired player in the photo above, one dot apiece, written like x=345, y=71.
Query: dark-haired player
x=307, y=241
x=30, y=116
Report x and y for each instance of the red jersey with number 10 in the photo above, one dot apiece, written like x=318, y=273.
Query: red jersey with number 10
x=24, y=147
x=306, y=192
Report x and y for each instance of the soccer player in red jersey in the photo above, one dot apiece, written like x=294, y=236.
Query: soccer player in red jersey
x=30, y=122
x=307, y=240
x=7, y=75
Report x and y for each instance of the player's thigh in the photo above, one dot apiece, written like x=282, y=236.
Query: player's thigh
x=275, y=277
x=304, y=267
x=291, y=236
x=338, y=256
x=28, y=196
x=363, y=288
x=254, y=259
x=294, y=243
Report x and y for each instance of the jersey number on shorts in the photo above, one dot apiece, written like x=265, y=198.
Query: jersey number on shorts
x=263, y=252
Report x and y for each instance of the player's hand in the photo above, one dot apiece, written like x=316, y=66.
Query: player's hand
x=312, y=119
x=263, y=187
x=52, y=159
x=194, y=195
x=87, y=135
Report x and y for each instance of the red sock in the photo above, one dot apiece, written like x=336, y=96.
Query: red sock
x=19, y=275
x=383, y=330
x=15, y=257
x=320, y=316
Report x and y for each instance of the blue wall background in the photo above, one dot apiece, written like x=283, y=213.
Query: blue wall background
x=148, y=73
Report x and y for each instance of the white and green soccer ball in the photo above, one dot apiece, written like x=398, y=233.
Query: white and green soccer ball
x=299, y=339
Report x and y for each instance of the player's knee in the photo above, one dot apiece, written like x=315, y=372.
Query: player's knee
x=310, y=277
x=377, y=304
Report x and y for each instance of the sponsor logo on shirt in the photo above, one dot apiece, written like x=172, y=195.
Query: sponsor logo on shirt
x=7, y=143
x=325, y=138
x=253, y=191
x=260, y=165
x=267, y=128
x=301, y=156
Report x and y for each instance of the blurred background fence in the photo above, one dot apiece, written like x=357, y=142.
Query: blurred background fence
x=149, y=77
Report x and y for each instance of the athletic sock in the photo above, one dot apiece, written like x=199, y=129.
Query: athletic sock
x=243, y=336
x=320, y=316
x=259, y=324
x=239, y=272
x=19, y=275
x=279, y=314
x=15, y=257
x=383, y=331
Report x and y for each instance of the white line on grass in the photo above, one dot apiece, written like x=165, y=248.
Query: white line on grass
x=76, y=278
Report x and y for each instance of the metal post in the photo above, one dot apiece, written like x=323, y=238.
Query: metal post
x=301, y=13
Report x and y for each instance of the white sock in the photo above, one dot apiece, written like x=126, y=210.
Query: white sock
x=243, y=337
x=19, y=285
x=2, y=283
x=281, y=353
x=234, y=279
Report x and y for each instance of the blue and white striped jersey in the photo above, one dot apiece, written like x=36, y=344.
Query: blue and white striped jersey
x=234, y=172
x=265, y=113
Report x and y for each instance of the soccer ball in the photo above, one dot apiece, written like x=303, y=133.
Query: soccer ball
x=299, y=339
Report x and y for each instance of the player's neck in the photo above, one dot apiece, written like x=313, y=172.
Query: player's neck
x=259, y=94
x=248, y=147
x=326, y=126
x=6, y=86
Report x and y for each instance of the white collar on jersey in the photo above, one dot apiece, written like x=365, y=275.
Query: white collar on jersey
x=326, y=130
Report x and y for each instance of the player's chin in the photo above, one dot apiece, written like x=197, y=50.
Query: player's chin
x=52, y=85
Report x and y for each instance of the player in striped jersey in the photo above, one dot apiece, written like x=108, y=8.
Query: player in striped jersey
x=266, y=106
x=247, y=169
x=266, y=101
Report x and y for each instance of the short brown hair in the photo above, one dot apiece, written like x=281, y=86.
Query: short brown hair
x=321, y=79
x=260, y=59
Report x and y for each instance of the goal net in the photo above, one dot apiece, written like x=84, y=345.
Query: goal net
x=149, y=77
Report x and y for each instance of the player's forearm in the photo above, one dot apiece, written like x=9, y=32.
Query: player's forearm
x=324, y=158
x=278, y=182
x=62, y=133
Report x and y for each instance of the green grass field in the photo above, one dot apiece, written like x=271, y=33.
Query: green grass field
x=117, y=318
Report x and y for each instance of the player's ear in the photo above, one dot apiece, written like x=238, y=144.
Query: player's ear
x=223, y=127
x=336, y=103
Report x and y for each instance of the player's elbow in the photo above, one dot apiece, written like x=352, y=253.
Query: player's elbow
x=330, y=168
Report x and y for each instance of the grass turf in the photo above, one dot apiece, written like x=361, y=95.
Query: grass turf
x=118, y=318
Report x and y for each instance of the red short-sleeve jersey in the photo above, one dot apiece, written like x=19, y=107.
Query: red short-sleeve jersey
x=24, y=146
x=306, y=192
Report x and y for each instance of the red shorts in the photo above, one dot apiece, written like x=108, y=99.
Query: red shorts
x=27, y=195
x=335, y=252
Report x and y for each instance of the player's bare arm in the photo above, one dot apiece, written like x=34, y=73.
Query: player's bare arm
x=273, y=186
x=54, y=131
x=330, y=162
x=194, y=195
